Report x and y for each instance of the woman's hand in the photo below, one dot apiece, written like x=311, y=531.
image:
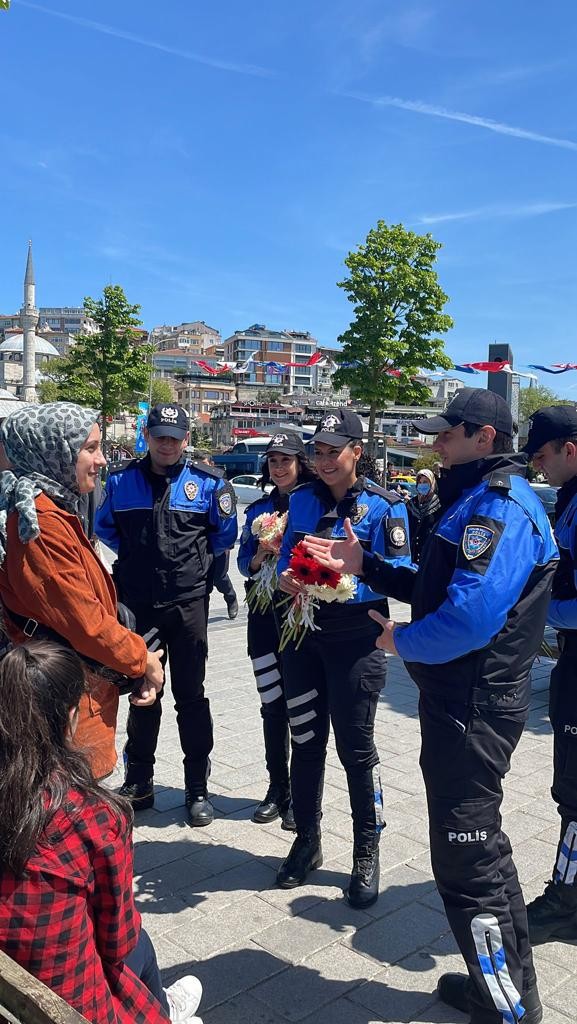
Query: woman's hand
x=263, y=551
x=289, y=585
x=152, y=683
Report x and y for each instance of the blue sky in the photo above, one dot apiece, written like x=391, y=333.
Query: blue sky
x=219, y=161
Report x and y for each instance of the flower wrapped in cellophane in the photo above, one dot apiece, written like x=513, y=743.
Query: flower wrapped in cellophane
x=268, y=528
x=320, y=585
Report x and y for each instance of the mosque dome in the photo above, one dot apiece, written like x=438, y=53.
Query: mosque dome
x=16, y=344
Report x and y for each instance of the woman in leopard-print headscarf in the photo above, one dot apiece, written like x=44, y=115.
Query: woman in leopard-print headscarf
x=49, y=573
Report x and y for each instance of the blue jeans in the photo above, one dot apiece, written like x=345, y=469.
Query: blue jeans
x=142, y=961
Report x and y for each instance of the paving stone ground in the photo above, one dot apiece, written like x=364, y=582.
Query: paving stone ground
x=268, y=956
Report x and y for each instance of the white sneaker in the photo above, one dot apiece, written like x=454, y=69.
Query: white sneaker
x=183, y=999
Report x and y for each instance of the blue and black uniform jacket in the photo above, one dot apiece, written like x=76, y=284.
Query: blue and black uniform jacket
x=379, y=519
x=165, y=529
x=273, y=502
x=563, y=608
x=480, y=597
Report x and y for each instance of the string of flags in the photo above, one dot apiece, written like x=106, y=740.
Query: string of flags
x=481, y=366
x=317, y=359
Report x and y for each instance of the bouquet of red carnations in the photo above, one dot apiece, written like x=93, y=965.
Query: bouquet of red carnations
x=268, y=528
x=321, y=585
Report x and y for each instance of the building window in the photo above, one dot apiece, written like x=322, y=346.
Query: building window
x=304, y=349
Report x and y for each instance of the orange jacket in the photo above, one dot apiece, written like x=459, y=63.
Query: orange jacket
x=59, y=580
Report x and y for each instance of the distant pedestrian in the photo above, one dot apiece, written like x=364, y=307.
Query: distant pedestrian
x=424, y=510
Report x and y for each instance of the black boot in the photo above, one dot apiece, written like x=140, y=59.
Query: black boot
x=275, y=803
x=288, y=820
x=200, y=809
x=140, y=794
x=363, y=888
x=305, y=855
x=455, y=991
x=554, y=914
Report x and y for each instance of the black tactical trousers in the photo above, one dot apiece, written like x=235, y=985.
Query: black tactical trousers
x=563, y=715
x=465, y=754
x=335, y=677
x=182, y=631
x=262, y=641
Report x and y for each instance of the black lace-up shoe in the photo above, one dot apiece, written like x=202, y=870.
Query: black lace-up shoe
x=363, y=888
x=275, y=804
x=305, y=855
x=200, y=809
x=140, y=794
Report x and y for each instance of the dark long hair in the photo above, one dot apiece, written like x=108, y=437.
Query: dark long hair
x=40, y=683
x=305, y=471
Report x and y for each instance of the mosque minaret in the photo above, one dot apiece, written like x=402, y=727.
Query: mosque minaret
x=29, y=316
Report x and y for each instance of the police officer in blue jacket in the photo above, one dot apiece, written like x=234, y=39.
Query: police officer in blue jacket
x=286, y=466
x=166, y=518
x=336, y=674
x=479, y=604
x=552, y=446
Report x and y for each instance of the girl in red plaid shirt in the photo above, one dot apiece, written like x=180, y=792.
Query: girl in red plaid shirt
x=67, y=912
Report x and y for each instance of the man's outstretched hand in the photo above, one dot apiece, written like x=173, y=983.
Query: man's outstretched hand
x=339, y=555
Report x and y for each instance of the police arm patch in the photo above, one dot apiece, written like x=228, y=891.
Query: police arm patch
x=476, y=540
x=226, y=500
x=479, y=543
x=396, y=539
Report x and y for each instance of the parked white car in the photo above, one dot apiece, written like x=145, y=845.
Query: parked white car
x=247, y=489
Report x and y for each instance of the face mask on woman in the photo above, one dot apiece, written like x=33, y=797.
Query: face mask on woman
x=423, y=488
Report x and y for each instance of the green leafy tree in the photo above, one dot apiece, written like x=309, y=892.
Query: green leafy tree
x=160, y=391
x=109, y=369
x=531, y=399
x=47, y=391
x=398, y=306
x=426, y=460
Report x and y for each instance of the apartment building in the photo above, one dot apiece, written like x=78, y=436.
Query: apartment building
x=277, y=348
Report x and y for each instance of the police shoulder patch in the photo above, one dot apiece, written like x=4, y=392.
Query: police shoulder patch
x=476, y=540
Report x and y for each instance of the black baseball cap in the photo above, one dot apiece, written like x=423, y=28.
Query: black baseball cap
x=338, y=428
x=550, y=423
x=470, y=405
x=286, y=442
x=165, y=420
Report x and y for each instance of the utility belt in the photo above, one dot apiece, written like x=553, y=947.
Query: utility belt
x=35, y=630
x=567, y=642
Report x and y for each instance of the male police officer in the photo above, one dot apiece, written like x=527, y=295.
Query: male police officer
x=552, y=446
x=479, y=603
x=166, y=518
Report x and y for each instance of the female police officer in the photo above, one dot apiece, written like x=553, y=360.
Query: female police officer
x=336, y=674
x=286, y=465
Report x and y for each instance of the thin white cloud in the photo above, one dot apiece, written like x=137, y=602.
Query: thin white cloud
x=537, y=209
x=110, y=30
x=430, y=110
